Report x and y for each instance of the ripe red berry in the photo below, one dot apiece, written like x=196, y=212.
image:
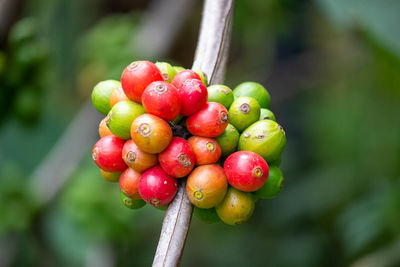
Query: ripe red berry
x=137, y=76
x=178, y=158
x=156, y=187
x=193, y=95
x=162, y=99
x=210, y=121
x=107, y=154
x=136, y=158
x=246, y=171
x=150, y=133
x=129, y=183
x=207, y=150
x=184, y=75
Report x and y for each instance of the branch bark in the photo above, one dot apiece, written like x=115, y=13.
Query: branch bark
x=211, y=57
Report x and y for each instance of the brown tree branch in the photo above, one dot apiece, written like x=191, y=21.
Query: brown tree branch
x=211, y=57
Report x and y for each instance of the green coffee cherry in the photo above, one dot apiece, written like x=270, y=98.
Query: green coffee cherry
x=206, y=215
x=266, y=114
x=266, y=138
x=243, y=112
x=273, y=185
x=101, y=95
x=228, y=140
x=237, y=207
x=254, y=90
x=221, y=94
x=203, y=76
x=132, y=203
x=121, y=116
x=178, y=68
x=168, y=72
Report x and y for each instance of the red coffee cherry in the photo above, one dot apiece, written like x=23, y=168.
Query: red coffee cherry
x=178, y=158
x=107, y=154
x=162, y=99
x=207, y=150
x=137, y=76
x=210, y=121
x=184, y=75
x=246, y=171
x=136, y=158
x=129, y=183
x=193, y=95
x=156, y=187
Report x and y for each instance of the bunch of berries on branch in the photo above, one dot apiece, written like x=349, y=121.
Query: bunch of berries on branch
x=163, y=125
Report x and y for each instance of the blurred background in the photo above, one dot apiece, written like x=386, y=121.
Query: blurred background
x=332, y=68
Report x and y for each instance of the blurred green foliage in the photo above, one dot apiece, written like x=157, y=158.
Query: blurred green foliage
x=340, y=202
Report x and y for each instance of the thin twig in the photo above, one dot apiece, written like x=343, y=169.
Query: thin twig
x=211, y=57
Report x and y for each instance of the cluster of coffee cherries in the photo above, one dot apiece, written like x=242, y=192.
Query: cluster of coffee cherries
x=163, y=124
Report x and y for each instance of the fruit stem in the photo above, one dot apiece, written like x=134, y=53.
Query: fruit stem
x=211, y=57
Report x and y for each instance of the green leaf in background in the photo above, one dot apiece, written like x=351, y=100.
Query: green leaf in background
x=380, y=18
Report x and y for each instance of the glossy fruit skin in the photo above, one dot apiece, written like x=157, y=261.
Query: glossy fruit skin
x=193, y=94
x=178, y=159
x=156, y=187
x=101, y=95
x=121, y=116
x=210, y=121
x=182, y=76
x=103, y=128
x=107, y=154
x=110, y=176
x=150, y=133
x=136, y=158
x=206, y=186
x=137, y=76
x=221, y=94
x=132, y=203
x=162, y=99
x=266, y=138
x=207, y=150
x=117, y=95
x=243, y=112
x=254, y=90
x=236, y=208
x=167, y=71
x=129, y=183
x=203, y=76
x=228, y=140
x=246, y=171
x=266, y=114
x=208, y=216
x=273, y=186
